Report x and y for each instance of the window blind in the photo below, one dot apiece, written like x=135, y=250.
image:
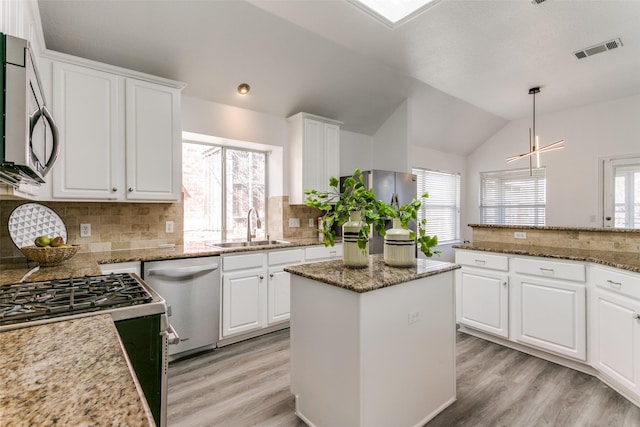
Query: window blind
x=442, y=207
x=516, y=197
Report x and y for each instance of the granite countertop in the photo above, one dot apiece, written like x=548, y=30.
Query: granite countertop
x=13, y=270
x=68, y=373
x=377, y=275
x=623, y=260
x=557, y=228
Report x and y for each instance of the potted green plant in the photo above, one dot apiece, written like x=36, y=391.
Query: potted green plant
x=354, y=208
x=401, y=253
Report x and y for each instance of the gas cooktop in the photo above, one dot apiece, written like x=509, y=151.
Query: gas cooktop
x=32, y=302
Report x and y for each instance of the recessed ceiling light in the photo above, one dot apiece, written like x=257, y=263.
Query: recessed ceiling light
x=394, y=12
x=244, y=89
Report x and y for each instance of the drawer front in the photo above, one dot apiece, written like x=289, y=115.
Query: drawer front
x=315, y=253
x=550, y=269
x=285, y=257
x=483, y=260
x=618, y=282
x=239, y=262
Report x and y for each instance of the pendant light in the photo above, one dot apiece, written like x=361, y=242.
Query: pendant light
x=534, y=142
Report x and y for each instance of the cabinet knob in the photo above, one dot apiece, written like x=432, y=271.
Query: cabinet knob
x=504, y=283
x=271, y=275
x=636, y=316
x=114, y=189
x=130, y=190
x=261, y=277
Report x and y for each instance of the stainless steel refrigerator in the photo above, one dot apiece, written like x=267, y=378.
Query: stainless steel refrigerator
x=396, y=188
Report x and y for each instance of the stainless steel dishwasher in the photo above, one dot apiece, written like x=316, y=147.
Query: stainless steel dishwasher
x=191, y=288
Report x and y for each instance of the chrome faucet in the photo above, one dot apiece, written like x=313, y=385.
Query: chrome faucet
x=258, y=223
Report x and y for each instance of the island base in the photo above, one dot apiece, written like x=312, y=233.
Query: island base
x=380, y=358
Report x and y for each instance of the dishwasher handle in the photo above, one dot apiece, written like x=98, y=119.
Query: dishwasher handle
x=183, y=272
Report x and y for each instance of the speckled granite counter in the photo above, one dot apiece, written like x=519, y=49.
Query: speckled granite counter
x=68, y=373
x=377, y=275
x=12, y=270
x=624, y=260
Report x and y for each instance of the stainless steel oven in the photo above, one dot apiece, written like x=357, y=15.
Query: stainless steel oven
x=29, y=145
x=138, y=312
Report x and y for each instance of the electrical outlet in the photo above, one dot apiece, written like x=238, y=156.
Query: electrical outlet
x=414, y=317
x=85, y=230
x=312, y=222
x=168, y=227
x=519, y=235
x=294, y=222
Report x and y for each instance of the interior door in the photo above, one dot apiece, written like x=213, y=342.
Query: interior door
x=621, y=192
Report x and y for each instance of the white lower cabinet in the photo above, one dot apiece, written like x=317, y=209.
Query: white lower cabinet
x=615, y=327
x=483, y=301
x=255, y=290
x=482, y=292
x=550, y=315
x=243, y=295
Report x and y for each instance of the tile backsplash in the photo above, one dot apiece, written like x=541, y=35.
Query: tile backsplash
x=279, y=214
x=114, y=226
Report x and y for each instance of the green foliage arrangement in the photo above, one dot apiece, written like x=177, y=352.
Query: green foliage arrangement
x=338, y=203
x=407, y=213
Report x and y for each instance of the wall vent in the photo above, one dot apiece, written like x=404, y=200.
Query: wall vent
x=602, y=47
x=537, y=1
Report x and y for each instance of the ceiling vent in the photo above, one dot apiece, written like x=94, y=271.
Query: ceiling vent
x=537, y=1
x=602, y=47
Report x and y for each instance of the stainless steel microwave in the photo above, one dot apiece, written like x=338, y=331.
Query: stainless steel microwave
x=29, y=146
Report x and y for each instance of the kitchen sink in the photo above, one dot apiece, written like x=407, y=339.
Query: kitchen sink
x=247, y=244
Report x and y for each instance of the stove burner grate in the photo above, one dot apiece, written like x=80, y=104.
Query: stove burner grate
x=22, y=302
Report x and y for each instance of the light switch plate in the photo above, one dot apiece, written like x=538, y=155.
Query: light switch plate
x=312, y=223
x=294, y=222
x=168, y=227
x=519, y=235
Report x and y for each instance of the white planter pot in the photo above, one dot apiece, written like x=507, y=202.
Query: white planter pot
x=352, y=255
x=399, y=247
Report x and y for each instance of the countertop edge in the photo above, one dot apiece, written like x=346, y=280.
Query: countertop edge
x=548, y=252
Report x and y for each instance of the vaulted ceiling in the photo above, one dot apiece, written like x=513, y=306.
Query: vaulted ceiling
x=465, y=65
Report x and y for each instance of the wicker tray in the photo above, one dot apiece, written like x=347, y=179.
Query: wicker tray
x=49, y=256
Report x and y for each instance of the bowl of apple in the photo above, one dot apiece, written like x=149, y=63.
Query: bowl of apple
x=49, y=251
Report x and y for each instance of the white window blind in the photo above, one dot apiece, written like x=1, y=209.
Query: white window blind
x=442, y=207
x=516, y=197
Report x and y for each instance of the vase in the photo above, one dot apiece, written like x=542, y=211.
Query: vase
x=352, y=255
x=399, y=247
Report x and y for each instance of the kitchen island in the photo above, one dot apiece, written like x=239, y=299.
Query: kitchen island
x=372, y=346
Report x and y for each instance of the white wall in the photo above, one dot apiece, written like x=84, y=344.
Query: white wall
x=355, y=152
x=390, y=143
x=590, y=132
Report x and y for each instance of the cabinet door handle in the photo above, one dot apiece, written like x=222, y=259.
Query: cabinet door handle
x=615, y=284
x=332, y=253
x=636, y=316
x=546, y=270
x=481, y=261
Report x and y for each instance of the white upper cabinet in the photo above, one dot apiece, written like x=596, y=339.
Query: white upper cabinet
x=314, y=154
x=120, y=136
x=153, y=141
x=87, y=104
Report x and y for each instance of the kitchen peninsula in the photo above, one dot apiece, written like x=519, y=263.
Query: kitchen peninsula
x=372, y=346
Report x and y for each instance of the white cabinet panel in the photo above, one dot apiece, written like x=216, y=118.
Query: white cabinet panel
x=550, y=269
x=322, y=253
x=153, y=141
x=616, y=338
x=242, y=302
x=279, y=306
x=314, y=154
x=88, y=105
x=483, y=260
x=482, y=299
x=550, y=315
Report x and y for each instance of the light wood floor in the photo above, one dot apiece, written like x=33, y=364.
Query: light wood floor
x=247, y=384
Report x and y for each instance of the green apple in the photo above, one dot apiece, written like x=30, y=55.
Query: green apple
x=42, y=241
